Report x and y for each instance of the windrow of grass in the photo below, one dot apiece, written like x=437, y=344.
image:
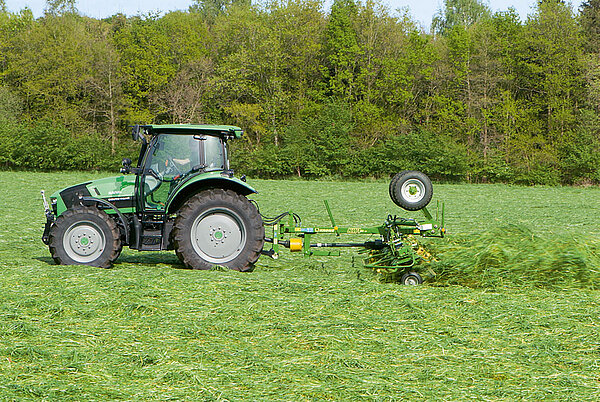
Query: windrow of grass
x=515, y=256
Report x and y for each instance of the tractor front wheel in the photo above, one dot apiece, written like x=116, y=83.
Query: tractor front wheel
x=85, y=236
x=218, y=227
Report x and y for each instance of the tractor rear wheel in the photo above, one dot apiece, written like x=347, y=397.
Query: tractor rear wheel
x=85, y=236
x=218, y=227
x=411, y=190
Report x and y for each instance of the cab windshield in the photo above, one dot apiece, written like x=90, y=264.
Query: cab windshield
x=174, y=156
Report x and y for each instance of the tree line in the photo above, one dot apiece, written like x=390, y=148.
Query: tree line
x=356, y=90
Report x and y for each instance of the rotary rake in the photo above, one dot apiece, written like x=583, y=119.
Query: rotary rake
x=395, y=249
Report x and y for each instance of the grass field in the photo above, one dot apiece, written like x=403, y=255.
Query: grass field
x=525, y=327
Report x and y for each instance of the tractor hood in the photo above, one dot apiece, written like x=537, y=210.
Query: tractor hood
x=118, y=190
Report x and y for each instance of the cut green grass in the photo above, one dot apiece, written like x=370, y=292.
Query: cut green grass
x=309, y=329
x=514, y=256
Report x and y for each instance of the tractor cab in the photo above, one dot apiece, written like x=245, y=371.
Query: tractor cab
x=175, y=163
x=173, y=154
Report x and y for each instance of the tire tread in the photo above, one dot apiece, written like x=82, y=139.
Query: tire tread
x=396, y=184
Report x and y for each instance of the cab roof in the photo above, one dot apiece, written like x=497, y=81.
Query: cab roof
x=222, y=130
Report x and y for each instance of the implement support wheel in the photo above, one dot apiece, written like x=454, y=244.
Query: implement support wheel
x=411, y=279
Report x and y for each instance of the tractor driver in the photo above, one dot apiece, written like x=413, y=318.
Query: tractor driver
x=186, y=153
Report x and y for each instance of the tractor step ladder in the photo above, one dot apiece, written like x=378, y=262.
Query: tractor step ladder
x=152, y=227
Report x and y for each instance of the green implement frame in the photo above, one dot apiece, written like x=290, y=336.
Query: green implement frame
x=393, y=250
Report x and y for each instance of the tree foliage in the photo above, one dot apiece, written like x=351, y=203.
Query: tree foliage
x=353, y=91
x=459, y=13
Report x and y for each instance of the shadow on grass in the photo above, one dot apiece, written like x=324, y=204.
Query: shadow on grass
x=150, y=258
x=45, y=260
x=137, y=259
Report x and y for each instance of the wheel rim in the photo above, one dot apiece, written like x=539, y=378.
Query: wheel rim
x=84, y=241
x=413, y=190
x=218, y=235
x=411, y=281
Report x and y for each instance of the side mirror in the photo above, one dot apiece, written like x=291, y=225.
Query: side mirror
x=126, y=166
x=135, y=132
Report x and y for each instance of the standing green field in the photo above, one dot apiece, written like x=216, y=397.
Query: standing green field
x=527, y=326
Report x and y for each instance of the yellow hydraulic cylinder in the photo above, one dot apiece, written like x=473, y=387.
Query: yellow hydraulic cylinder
x=295, y=244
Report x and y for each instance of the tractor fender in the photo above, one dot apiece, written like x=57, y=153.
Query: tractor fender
x=110, y=205
x=203, y=181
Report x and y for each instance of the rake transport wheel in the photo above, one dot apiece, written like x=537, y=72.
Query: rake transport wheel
x=411, y=190
x=218, y=227
x=393, y=183
x=85, y=236
x=411, y=279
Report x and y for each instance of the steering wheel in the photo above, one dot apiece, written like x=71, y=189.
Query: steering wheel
x=171, y=168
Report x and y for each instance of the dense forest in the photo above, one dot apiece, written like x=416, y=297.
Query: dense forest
x=355, y=90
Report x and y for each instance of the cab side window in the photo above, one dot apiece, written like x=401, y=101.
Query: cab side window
x=213, y=151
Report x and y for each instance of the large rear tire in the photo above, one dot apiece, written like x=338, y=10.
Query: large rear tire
x=411, y=190
x=218, y=227
x=85, y=236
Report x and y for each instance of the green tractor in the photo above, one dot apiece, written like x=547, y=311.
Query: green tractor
x=182, y=196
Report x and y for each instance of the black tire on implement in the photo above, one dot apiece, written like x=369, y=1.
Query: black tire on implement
x=218, y=227
x=393, y=183
x=411, y=190
x=411, y=279
x=85, y=236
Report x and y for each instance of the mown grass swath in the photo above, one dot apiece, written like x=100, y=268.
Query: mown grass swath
x=515, y=256
x=312, y=328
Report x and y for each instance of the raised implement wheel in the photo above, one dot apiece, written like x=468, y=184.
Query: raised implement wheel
x=85, y=236
x=411, y=190
x=218, y=227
